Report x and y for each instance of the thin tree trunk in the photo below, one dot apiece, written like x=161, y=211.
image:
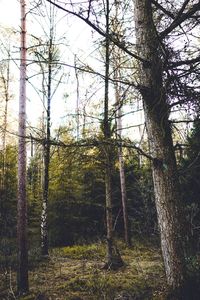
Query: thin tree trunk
x=122, y=174
x=77, y=100
x=44, y=217
x=22, y=278
x=165, y=177
x=5, y=122
x=109, y=217
x=113, y=257
x=117, y=62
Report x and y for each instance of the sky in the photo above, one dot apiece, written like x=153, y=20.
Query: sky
x=78, y=36
x=10, y=17
x=9, y=12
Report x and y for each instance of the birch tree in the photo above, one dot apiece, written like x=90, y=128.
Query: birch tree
x=46, y=55
x=44, y=216
x=22, y=279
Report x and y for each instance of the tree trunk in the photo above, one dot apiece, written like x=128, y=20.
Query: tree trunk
x=121, y=167
x=165, y=177
x=123, y=184
x=44, y=216
x=6, y=81
x=106, y=128
x=22, y=276
x=113, y=257
x=117, y=63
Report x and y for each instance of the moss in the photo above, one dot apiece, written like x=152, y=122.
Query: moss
x=93, y=251
x=76, y=273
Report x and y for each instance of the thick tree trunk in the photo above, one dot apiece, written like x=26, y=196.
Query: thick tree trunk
x=22, y=276
x=165, y=177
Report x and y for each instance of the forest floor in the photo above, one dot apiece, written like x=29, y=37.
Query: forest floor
x=76, y=273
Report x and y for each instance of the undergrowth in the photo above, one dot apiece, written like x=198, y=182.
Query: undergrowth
x=76, y=273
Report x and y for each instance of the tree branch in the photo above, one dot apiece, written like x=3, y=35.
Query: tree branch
x=101, y=32
x=166, y=12
x=180, y=19
x=185, y=62
x=182, y=9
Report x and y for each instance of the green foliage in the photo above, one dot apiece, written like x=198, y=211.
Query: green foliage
x=92, y=251
x=76, y=195
x=140, y=194
x=34, y=197
x=8, y=206
x=193, y=265
x=190, y=182
x=76, y=209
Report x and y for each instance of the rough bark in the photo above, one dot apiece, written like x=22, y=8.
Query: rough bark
x=165, y=176
x=22, y=276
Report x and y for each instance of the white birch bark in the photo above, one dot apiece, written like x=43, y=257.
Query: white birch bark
x=22, y=280
x=47, y=146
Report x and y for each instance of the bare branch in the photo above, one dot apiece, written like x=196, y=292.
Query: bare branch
x=182, y=9
x=166, y=12
x=178, y=21
x=101, y=32
x=185, y=62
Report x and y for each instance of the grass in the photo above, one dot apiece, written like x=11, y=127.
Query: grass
x=93, y=251
x=76, y=273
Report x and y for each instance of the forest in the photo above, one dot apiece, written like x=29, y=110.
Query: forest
x=100, y=150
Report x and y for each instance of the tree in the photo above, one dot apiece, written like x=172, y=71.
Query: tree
x=46, y=54
x=165, y=175
x=5, y=88
x=165, y=79
x=8, y=194
x=117, y=56
x=22, y=280
x=44, y=226
x=113, y=257
x=127, y=236
x=5, y=79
